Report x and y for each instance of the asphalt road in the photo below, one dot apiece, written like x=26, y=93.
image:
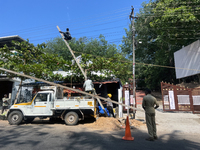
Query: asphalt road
x=41, y=134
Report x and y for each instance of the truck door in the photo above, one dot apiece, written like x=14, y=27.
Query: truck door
x=42, y=104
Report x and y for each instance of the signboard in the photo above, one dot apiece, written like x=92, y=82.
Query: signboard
x=166, y=99
x=187, y=60
x=127, y=98
x=196, y=99
x=183, y=99
x=171, y=100
x=132, y=100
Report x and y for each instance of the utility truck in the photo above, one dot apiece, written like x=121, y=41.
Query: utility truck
x=51, y=102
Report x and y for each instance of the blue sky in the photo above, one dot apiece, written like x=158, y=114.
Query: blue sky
x=36, y=20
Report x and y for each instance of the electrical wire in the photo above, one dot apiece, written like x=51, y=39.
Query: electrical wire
x=146, y=64
x=91, y=25
x=45, y=26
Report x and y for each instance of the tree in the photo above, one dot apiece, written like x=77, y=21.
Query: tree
x=115, y=66
x=96, y=55
x=98, y=47
x=177, y=22
x=31, y=60
x=149, y=50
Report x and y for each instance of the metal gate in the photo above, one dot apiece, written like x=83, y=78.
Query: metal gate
x=196, y=100
x=178, y=98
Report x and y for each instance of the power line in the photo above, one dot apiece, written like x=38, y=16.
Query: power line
x=146, y=64
x=77, y=29
x=45, y=26
x=169, y=67
x=42, y=27
x=74, y=34
x=80, y=33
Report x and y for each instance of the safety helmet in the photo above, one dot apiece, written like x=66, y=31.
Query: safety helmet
x=109, y=95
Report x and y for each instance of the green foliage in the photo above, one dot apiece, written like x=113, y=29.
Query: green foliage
x=31, y=60
x=127, y=47
x=162, y=27
x=97, y=47
x=177, y=22
x=96, y=56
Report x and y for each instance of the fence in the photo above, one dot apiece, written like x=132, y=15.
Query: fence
x=178, y=98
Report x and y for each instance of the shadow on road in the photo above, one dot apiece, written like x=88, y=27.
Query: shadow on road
x=87, y=120
x=58, y=136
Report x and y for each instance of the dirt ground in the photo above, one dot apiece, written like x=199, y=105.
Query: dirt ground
x=112, y=124
x=190, y=85
x=169, y=122
x=157, y=95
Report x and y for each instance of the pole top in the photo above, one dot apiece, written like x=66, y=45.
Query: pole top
x=132, y=8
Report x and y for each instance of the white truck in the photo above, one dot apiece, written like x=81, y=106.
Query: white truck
x=50, y=102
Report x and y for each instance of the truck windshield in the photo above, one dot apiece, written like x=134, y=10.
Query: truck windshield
x=25, y=97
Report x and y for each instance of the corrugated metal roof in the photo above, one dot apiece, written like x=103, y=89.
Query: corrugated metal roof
x=8, y=40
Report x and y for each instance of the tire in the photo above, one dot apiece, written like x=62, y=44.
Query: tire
x=29, y=119
x=71, y=118
x=15, y=118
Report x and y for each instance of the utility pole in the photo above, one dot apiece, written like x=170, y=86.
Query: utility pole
x=133, y=38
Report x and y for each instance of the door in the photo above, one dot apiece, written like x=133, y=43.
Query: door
x=42, y=104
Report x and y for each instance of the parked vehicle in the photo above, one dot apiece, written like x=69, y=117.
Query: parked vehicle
x=50, y=102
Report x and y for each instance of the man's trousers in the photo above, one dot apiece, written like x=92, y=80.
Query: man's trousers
x=151, y=124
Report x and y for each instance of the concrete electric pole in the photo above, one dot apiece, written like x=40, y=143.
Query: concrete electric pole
x=133, y=38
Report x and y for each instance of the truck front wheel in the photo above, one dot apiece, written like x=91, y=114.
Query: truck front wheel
x=71, y=118
x=15, y=118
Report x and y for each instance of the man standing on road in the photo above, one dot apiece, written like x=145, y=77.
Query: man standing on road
x=149, y=104
x=5, y=103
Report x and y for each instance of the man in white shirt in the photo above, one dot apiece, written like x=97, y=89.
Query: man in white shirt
x=88, y=86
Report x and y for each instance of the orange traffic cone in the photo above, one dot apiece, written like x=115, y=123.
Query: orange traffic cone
x=128, y=132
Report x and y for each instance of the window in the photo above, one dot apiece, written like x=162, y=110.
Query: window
x=41, y=97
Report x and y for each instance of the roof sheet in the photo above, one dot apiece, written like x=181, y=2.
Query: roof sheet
x=8, y=40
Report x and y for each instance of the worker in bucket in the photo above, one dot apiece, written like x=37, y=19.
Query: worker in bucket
x=67, y=35
x=110, y=105
x=149, y=104
x=88, y=86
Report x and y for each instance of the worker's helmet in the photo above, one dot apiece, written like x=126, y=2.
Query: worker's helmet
x=5, y=95
x=109, y=95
